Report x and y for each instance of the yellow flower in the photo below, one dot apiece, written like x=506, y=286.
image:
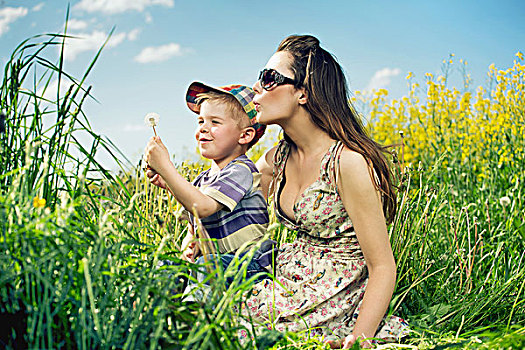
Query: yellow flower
x=39, y=202
x=409, y=75
x=519, y=54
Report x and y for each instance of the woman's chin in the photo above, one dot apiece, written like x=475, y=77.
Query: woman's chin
x=262, y=120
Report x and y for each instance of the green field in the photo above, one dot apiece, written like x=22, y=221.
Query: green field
x=79, y=244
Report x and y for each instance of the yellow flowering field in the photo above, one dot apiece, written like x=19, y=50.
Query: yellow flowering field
x=469, y=126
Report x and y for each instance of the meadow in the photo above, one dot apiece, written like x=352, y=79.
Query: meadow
x=80, y=245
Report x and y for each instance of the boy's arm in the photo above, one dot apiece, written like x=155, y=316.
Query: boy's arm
x=185, y=193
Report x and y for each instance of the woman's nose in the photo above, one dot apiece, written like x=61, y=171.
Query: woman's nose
x=257, y=87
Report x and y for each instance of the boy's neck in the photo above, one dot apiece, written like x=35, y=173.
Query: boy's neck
x=219, y=164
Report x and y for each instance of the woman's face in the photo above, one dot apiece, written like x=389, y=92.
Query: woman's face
x=278, y=104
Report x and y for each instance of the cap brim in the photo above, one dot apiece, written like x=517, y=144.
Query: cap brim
x=194, y=90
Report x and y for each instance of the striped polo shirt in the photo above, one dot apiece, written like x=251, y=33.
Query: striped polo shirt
x=244, y=216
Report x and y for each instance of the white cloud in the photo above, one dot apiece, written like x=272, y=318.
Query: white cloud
x=119, y=6
x=134, y=34
x=38, y=7
x=50, y=93
x=160, y=53
x=149, y=19
x=135, y=127
x=382, y=78
x=76, y=24
x=9, y=15
x=83, y=42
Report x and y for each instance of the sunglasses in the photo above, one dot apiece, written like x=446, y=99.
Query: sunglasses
x=270, y=78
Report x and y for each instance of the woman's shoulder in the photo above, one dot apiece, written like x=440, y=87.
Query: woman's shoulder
x=270, y=154
x=352, y=158
x=354, y=166
x=274, y=155
x=265, y=162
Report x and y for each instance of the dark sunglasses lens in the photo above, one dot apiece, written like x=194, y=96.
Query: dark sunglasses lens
x=267, y=78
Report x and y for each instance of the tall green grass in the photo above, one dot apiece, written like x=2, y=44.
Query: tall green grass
x=460, y=260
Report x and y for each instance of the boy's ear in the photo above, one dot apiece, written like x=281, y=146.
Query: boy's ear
x=247, y=136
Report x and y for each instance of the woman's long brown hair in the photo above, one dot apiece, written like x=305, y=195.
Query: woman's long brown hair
x=329, y=106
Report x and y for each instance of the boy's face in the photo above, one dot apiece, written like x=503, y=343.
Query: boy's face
x=217, y=133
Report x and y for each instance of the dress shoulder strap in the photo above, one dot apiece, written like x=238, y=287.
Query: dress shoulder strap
x=279, y=161
x=331, y=167
x=283, y=148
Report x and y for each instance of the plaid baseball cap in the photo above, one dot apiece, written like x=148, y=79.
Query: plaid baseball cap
x=242, y=93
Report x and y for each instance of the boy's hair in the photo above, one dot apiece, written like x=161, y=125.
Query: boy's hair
x=237, y=112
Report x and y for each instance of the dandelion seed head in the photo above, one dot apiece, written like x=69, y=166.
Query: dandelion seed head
x=504, y=201
x=151, y=119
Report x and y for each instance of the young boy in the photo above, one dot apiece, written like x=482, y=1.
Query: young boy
x=226, y=197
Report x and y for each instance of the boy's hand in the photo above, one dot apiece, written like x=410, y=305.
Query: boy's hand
x=191, y=252
x=155, y=178
x=157, y=155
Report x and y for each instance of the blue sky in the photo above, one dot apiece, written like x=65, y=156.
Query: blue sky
x=160, y=46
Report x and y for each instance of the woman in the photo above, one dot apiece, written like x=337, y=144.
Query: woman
x=330, y=182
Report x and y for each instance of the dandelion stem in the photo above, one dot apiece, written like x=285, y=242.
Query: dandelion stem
x=154, y=131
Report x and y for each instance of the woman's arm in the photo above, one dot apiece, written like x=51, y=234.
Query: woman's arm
x=363, y=204
x=186, y=194
x=265, y=166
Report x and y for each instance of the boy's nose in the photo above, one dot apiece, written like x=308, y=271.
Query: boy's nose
x=203, y=127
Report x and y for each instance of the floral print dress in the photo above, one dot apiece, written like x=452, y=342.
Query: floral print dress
x=320, y=277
